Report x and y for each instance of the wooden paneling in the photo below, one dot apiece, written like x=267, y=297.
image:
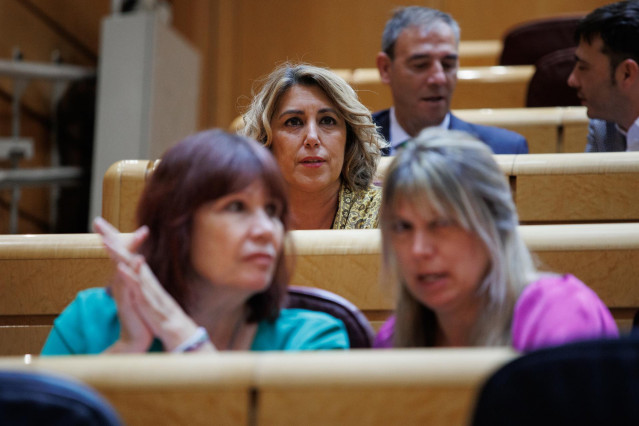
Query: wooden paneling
x=577, y=199
x=425, y=386
x=575, y=132
x=161, y=389
x=548, y=188
x=16, y=340
x=178, y=407
x=547, y=130
x=579, y=187
x=248, y=38
x=490, y=19
x=354, y=388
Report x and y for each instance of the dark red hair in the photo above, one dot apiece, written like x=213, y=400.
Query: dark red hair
x=202, y=168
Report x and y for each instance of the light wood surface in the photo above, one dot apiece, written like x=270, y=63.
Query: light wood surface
x=427, y=386
x=570, y=188
x=577, y=187
x=477, y=87
x=374, y=387
x=46, y=272
x=124, y=181
x=547, y=188
x=160, y=389
x=547, y=129
x=250, y=38
x=479, y=52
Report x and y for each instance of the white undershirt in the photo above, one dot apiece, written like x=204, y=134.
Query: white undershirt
x=632, y=136
x=398, y=135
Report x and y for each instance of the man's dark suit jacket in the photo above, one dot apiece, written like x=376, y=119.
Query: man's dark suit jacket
x=501, y=141
x=603, y=136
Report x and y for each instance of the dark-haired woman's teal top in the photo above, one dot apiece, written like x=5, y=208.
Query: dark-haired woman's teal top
x=90, y=324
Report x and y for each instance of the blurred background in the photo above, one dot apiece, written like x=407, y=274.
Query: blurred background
x=236, y=42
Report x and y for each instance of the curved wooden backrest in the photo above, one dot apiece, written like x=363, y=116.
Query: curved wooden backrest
x=577, y=187
x=479, y=74
x=570, y=188
x=547, y=130
x=477, y=87
x=548, y=188
x=121, y=189
x=46, y=271
x=434, y=387
x=479, y=52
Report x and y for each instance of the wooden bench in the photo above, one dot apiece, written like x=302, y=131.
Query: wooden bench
x=472, y=53
x=548, y=188
x=41, y=275
x=479, y=52
x=44, y=272
x=408, y=387
x=548, y=130
x=160, y=389
x=576, y=188
x=121, y=188
x=477, y=87
x=570, y=188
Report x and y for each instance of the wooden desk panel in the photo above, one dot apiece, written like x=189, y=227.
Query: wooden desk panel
x=161, y=389
x=477, y=87
x=578, y=199
x=429, y=386
x=18, y=340
x=574, y=129
x=434, y=387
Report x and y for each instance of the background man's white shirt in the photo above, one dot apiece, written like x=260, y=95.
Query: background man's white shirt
x=398, y=135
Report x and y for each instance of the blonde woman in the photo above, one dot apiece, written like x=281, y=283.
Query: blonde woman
x=464, y=276
x=325, y=143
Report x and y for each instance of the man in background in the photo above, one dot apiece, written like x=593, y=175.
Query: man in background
x=419, y=61
x=606, y=76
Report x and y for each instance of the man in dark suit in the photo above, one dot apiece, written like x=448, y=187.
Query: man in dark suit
x=606, y=76
x=419, y=61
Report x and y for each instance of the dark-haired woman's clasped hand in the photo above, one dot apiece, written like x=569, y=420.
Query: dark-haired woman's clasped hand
x=145, y=309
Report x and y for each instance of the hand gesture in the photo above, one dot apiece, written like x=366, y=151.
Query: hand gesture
x=147, y=309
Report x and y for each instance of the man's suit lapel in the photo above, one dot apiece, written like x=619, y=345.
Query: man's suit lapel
x=457, y=124
x=382, y=119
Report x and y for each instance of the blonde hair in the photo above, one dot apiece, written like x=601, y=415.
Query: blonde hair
x=458, y=177
x=363, y=143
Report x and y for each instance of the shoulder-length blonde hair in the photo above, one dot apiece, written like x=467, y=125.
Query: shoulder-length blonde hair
x=458, y=177
x=363, y=143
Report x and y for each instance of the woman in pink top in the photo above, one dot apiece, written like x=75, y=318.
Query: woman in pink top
x=452, y=249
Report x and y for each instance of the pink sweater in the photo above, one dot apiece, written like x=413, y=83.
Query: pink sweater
x=551, y=311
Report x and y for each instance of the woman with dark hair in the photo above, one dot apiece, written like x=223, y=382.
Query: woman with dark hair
x=210, y=273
